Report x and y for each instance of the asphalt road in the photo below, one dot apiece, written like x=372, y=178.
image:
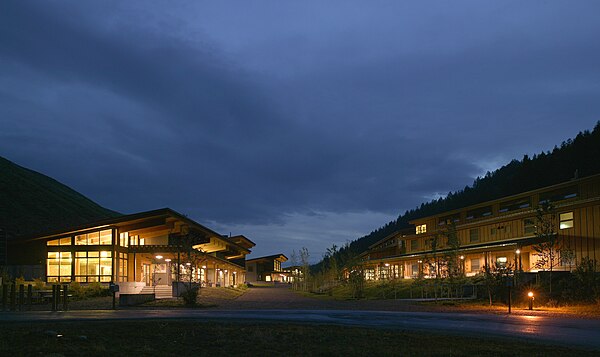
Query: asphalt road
x=282, y=305
x=560, y=331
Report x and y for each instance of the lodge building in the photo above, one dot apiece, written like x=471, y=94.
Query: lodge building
x=136, y=251
x=496, y=233
x=267, y=268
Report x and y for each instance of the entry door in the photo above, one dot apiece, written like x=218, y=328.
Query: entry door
x=146, y=274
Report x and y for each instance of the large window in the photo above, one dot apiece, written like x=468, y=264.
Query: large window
x=122, y=266
x=136, y=240
x=61, y=241
x=422, y=228
x=59, y=266
x=124, y=239
x=566, y=220
x=93, y=266
x=95, y=238
x=475, y=265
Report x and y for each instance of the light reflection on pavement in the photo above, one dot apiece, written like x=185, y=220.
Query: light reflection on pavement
x=555, y=330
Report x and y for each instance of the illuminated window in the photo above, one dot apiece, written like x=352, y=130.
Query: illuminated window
x=566, y=220
x=62, y=241
x=58, y=266
x=122, y=266
x=501, y=261
x=124, y=239
x=421, y=229
x=475, y=265
x=106, y=237
x=93, y=266
x=414, y=269
x=136, y=240
x=95, y=238
x=474, y=235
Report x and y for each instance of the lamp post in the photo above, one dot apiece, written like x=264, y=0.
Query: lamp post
x=531, y=298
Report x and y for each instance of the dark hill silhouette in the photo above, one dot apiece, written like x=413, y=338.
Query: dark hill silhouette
x=575, y=157
x=31, y=202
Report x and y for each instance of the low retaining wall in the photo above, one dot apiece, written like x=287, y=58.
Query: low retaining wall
x=135, y=299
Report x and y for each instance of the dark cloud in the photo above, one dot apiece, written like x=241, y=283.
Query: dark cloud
x=305, y=123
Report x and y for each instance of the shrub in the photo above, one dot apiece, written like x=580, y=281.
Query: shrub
x=76, y=290
x=96, y=289
x=190, y=296
x=39, y=284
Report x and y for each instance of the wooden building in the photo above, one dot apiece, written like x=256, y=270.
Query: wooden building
x=154, y=248
x=496, y=233
x=266, y=268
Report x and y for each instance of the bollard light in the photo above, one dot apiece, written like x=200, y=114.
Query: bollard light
x=531, y=298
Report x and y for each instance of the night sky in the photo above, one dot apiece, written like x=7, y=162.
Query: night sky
x=295, y=123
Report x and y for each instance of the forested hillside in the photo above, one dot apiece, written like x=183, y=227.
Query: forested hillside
x=579, y=156
x=31, y=202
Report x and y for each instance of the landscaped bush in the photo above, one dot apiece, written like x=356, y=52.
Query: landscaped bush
x=90, y=290
x=190, y=295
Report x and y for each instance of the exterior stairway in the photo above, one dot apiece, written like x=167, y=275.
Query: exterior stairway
x=161, y=291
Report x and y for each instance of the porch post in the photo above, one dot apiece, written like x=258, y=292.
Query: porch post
x=134, y=268
x=178, y=264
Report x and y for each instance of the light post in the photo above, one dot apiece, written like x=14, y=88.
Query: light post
x=531, y=298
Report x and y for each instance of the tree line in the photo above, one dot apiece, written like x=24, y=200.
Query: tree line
x=576, y=157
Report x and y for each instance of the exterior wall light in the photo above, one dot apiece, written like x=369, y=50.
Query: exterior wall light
x=159, y=257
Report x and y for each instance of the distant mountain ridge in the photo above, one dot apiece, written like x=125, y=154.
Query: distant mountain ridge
x=31, y=202
x=579, y=156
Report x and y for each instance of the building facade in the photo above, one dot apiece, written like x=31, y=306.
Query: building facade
x=266, y=269
x=144, y=249
x=498, y=233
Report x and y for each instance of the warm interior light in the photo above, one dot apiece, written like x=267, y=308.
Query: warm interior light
x=104, y=254
x=204, y=267
x=188, y=264
x=387, y=264
x=518, y=251
x=462, y=257
x=159, y=257
x=530, y=294
x=167, y=260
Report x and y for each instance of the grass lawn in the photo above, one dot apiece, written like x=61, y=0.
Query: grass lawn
x=176, y=338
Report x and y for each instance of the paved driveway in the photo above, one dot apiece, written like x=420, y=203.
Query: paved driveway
x=280, y=304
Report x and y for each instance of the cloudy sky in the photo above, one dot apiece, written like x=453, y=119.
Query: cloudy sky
x=296, y=123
